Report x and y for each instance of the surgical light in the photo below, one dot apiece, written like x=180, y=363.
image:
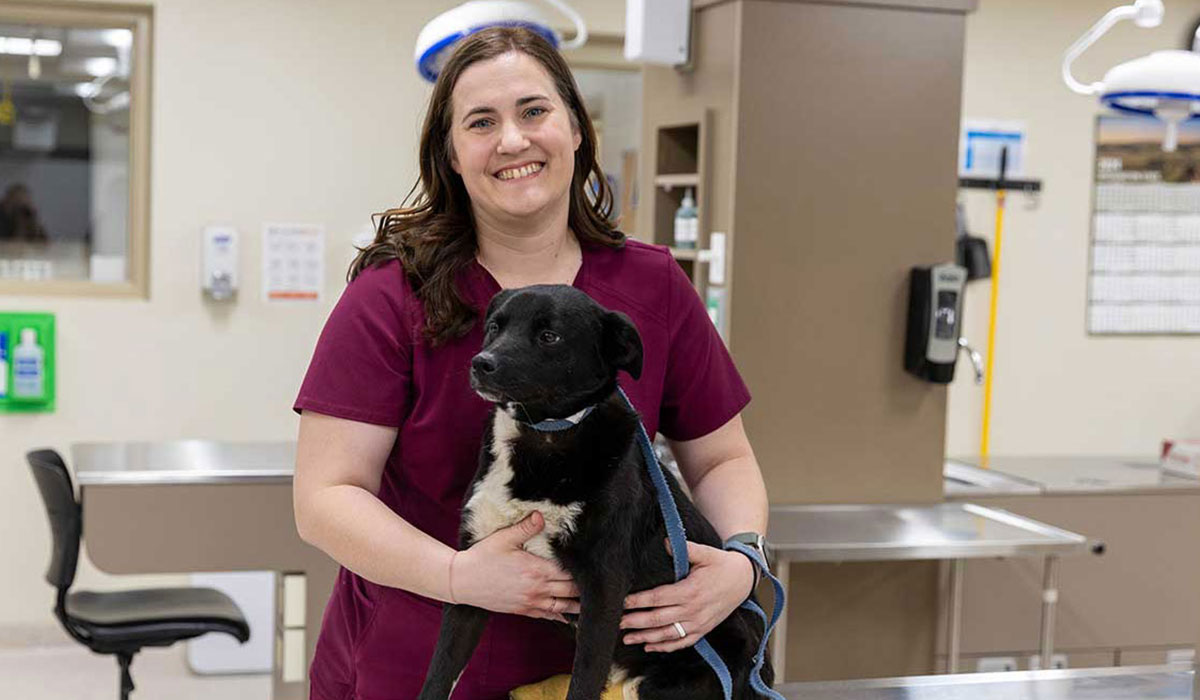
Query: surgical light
x=107, y=69
x=1164, y=84
x=436, y=41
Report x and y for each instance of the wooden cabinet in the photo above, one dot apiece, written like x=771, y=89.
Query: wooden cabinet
x=1135, y=603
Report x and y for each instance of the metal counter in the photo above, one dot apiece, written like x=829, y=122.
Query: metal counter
x=952, y=531
x=1127, y=683
x=962, y=480
x=1077, y=475
x=197, y=506
x=183, y=462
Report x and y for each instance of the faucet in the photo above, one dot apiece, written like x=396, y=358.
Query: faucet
x=976, y=358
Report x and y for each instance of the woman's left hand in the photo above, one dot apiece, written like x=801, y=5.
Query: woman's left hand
x=717, y=583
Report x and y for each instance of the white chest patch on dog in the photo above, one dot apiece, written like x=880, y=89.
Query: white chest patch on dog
x=492, y=507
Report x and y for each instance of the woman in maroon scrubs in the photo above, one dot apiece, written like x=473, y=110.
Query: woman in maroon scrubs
x=510, y=194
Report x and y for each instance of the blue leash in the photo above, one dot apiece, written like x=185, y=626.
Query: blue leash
x=756, y=681
x=675, y=533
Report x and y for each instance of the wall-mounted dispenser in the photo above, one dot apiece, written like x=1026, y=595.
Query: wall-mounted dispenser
x=934, y=321
x=219, y=277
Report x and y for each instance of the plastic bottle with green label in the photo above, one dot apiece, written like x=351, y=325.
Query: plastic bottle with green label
x=687, y=226
x=29, y=367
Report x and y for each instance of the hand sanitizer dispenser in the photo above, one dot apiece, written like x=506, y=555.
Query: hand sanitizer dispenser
x=219, y=277
x=934, y=321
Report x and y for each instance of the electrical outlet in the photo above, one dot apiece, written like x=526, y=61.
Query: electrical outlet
x=1057, y=661
x=995, y=664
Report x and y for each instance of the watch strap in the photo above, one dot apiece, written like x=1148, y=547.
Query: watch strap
x=756, y=542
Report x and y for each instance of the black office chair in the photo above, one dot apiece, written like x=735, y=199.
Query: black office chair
x=121, y=622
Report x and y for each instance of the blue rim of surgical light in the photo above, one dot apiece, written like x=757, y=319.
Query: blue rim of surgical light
x=425, y=64
x=1111, y=100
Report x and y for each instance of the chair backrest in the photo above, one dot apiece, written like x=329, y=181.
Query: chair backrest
x=66, y=517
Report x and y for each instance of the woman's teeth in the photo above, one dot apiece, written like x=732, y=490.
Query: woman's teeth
x=523, y=171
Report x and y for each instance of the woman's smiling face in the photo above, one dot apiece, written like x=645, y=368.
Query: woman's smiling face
x=512, y=138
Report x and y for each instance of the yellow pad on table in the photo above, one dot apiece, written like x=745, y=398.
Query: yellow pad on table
x=555, y=688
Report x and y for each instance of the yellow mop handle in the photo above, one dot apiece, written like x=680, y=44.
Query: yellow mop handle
x=991, y=343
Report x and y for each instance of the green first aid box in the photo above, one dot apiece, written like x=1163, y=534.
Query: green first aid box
x=26, y=363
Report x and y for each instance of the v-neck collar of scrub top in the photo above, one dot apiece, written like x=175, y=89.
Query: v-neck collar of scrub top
x=492, y=287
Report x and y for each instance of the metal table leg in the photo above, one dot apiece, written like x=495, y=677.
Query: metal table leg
x=783, y=568
x=1049, y=603
x=954, y=616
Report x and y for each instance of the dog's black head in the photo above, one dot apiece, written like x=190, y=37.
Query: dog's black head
x=550, y=351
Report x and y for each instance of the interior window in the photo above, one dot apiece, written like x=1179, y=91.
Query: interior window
x=72, y=197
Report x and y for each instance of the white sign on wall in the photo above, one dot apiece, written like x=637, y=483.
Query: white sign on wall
x=293, y=262
x=981, y=142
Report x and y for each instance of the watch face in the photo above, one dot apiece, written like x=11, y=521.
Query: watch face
x=761, y=545
x=752, y=539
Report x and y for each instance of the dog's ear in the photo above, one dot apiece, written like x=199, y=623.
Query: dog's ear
x=498, y=300
x=622, y=345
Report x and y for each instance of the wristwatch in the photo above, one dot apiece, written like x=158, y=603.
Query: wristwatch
x=754, y=541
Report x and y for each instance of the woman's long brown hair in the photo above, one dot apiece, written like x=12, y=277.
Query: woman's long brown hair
x=434, y=235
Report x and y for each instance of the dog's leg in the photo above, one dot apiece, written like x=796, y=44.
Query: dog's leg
x=601, y=604
x=462, y=626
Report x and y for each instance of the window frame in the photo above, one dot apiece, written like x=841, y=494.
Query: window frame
x=139, y=20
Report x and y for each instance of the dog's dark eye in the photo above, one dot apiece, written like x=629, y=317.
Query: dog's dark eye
x=549, y=337
x=491, y=328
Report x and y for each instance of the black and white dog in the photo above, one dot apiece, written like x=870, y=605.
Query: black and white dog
x=551, y=352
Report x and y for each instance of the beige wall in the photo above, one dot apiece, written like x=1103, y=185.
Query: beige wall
x=263, y=111
x=1056, y=389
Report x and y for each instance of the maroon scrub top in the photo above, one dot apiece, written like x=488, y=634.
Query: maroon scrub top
x=372, y=365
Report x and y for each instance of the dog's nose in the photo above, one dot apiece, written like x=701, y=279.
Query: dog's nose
x=484, y=363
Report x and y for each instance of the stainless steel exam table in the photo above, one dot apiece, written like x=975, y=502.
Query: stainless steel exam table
x=950, y=531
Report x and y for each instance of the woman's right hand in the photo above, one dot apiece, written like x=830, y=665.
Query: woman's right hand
x=496, y=574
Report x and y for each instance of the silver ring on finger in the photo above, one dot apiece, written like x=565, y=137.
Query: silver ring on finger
x=679, y=630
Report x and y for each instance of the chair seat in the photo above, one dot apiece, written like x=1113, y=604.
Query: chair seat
x=154, y=616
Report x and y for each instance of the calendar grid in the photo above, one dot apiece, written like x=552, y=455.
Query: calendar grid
x=1144, y=257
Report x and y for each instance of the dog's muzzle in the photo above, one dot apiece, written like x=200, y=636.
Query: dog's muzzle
x=483, y=371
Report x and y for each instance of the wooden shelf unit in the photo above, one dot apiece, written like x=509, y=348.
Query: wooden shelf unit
x=680, y=180
x=681, y=158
